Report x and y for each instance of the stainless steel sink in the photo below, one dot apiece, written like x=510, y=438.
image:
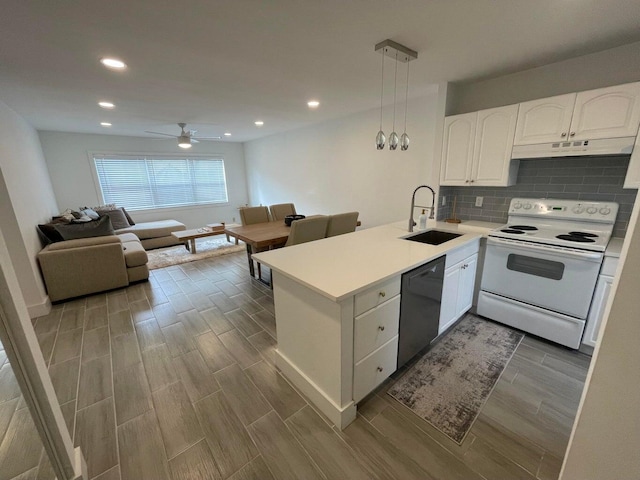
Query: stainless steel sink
x=433, y=237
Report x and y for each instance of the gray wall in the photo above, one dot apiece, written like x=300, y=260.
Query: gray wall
x=597, y=179
x=609, y=67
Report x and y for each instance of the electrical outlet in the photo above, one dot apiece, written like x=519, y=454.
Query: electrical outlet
x=444, y=200
x=479, y=201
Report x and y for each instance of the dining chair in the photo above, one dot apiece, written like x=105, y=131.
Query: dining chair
x=251, y=215
x=281, y=210
x=308, y=230
x=342, y=223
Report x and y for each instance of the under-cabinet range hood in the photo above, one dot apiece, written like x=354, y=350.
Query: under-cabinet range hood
x=576, y=148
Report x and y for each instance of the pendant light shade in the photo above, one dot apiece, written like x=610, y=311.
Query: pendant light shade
x=401, y=54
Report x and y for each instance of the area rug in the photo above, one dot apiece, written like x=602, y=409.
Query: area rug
x=205, y=248
x=451, y=383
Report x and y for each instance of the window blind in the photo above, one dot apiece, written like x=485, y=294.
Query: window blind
x=140, y=183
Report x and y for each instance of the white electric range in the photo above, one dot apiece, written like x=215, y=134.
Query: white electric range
x=541, y=268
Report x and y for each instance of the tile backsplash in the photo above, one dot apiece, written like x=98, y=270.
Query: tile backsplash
x=583, y=178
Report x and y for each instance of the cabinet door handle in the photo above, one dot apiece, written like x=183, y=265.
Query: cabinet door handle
x=380, y=369
x=466, y=181
x=471, y=181
x=564, y=134
x=573, y=134
x=382, y=294
x=381, y=328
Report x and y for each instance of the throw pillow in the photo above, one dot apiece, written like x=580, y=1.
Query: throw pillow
x=129, y=219
x=107, y=206
x=95, y=228
x=48, y=233
x=118, y=219
x=90, y=212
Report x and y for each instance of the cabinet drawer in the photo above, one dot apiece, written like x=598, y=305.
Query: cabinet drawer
x=461, y=253
x=376, y=327
x=609, y=266
x=372, y=370
x=376, y=295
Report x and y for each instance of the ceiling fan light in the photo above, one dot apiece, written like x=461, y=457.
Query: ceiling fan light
x=184, y=141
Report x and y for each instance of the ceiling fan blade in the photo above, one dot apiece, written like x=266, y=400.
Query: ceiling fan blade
x=193, y=140
x=159, y=133
x=208, y=138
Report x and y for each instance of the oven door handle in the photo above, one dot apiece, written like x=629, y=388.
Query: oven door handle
x=501, y=242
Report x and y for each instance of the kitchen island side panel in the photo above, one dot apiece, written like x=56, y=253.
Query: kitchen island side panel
x=315, y=335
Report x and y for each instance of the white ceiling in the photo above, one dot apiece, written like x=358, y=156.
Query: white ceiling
x=221, y=65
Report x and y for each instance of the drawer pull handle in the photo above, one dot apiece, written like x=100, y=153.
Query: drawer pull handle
x=382, y=294
x=380, y=369
x=381, y=328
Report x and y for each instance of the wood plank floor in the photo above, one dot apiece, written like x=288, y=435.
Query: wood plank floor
x=176, y=380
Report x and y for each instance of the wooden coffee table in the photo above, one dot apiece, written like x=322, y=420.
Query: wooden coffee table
x=189, y=236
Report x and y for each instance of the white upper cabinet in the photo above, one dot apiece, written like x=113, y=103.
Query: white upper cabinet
x=476, y=148
x=544, y=121
x=606, y=113
x=632, y=180
x=610, y=112
x=457, y=149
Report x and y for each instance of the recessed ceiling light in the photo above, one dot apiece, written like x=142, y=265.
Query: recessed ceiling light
x=227, y=134
x=113, y=63
x=313, y=103
x=105, y=124
x=259, y=123
x=106, y=105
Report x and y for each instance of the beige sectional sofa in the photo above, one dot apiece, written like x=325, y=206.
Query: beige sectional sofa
x=155, y=234
x=82, y=266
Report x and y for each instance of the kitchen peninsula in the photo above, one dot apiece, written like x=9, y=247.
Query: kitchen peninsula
x=337, y=305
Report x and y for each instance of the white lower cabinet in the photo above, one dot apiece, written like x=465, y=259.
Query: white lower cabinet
x=457, y=290
x=374, y=369
x=599, y=302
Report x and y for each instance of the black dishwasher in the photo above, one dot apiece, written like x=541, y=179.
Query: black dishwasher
x=420, y=300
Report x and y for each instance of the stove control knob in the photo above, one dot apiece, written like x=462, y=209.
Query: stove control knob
x=527, y=206
x=591, y=210
x=605, y=210
x=578, y=209
x=517, y=205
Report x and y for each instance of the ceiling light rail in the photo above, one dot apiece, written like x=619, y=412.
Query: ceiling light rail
x=401, y=54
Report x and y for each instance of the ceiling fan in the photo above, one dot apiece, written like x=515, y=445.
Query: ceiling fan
x=186, y=137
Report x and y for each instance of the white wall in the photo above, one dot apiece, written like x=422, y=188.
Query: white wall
x=334, y=166
x=606, y=435
x=70, y=167
x=609, y=67
x=26, y=199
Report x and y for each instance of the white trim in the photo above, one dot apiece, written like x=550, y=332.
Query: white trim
x=40, y=309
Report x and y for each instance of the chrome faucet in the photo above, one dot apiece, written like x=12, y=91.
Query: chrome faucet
x=412, y=223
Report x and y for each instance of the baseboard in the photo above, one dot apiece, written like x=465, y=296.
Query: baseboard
x=340, y=416
x=39, y=309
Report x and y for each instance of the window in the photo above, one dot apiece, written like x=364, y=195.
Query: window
x=142, y=182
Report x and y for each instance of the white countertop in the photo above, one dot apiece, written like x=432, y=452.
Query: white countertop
x=341, y=266
x=614, y=248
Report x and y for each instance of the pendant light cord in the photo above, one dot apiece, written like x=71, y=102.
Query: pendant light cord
x=395, y=83
x=406, y=96
x=382, y=88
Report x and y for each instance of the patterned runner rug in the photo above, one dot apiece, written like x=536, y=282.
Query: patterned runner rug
x=450, y=384
x=205, y=248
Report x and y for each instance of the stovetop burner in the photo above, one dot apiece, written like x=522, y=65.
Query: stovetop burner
x=583, y=234
x=576, y=238
x=522, y=227
x=511, y=230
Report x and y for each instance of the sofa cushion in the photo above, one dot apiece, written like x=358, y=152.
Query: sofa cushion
x=161, y=228
x=129, y=219
x=94, y=228
x=134, y=254
x=117, y=216
x=48, y=233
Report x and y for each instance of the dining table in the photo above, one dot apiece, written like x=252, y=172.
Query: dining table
x=259, y=237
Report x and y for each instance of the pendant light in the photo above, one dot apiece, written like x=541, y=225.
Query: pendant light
x=393, y=138
x=404, y=139
x=380, y=138
x=401, y=54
